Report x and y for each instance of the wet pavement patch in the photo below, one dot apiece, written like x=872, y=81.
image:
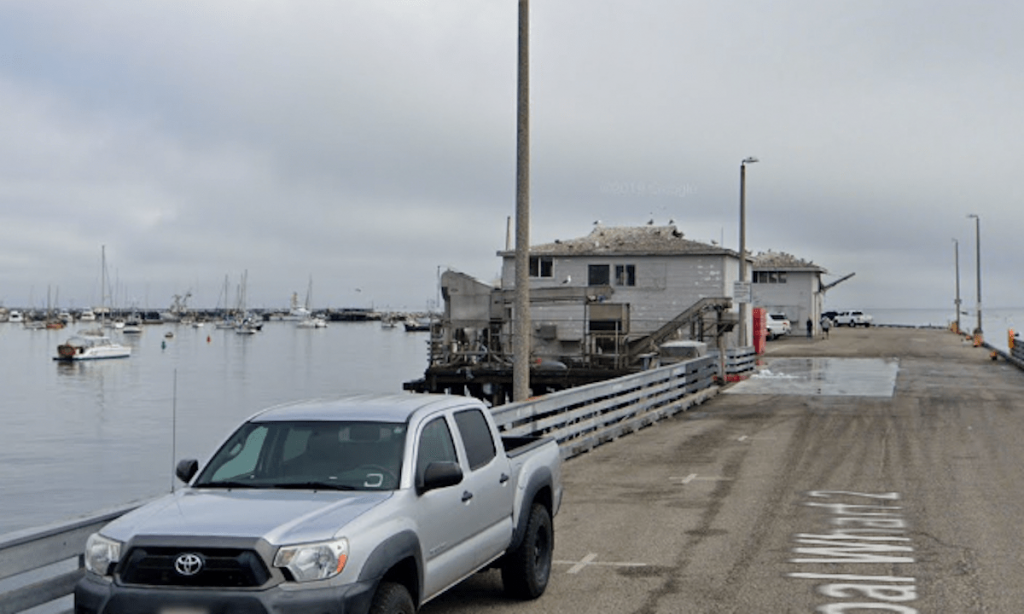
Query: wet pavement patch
x=855, y=377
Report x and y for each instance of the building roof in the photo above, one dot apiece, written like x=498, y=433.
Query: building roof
x=783, y=261
x=628, y=241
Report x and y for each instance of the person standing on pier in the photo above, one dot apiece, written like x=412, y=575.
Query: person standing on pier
x=810, y=328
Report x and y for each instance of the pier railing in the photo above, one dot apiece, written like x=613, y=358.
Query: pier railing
x=586, y=416
x=39, y=567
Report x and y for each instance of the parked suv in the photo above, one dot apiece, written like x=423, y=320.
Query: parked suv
x=854, y=317
x=778, y=325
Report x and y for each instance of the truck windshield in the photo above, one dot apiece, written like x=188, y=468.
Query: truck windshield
x=316, y=455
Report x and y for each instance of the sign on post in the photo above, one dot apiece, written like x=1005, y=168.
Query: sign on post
x=741, y=291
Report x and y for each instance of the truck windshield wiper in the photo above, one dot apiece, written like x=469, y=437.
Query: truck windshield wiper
x=312, y=486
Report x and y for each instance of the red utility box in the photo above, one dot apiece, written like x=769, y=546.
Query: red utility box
x=760, y=330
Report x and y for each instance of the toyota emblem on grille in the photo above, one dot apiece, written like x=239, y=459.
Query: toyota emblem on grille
x=188, y=564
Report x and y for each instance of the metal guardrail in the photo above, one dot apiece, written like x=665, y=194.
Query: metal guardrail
x=584, y=417
x=41, y=566
x=737, y=360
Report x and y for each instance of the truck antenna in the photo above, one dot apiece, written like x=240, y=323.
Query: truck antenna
x=174, y=425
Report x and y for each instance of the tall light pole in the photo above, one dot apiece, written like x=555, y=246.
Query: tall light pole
x=978, y=335
x=522, y=328
x=956, y=260
x=744, y=301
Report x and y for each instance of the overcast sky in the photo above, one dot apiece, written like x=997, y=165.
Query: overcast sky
x=367, y=143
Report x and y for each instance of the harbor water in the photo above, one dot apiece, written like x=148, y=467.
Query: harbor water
x=81, y=437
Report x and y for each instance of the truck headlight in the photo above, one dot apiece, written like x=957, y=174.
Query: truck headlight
x=318, y=561
x=101, y=554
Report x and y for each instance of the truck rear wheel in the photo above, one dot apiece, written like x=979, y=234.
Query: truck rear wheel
x=392, y=598
x=526, y=570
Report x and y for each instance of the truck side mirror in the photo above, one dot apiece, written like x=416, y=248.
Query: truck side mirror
x=440, y=474
x=186, y=469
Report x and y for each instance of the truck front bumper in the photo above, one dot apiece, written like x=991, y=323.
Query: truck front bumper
x=96, y=596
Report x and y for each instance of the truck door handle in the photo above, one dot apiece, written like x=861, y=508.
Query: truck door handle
x=504, y=478
x=466, y=496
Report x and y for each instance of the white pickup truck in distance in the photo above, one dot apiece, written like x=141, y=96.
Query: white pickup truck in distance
x=366, y=504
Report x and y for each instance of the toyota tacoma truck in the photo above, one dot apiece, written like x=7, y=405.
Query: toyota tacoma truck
x=363, y=504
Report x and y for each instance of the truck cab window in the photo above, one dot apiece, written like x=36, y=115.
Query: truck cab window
x=476, y=436
x=435, y=445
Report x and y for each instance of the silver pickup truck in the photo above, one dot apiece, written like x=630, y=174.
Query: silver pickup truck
x=365, y=504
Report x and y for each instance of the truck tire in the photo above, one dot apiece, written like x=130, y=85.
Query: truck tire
x=526, y=569
x=392, y=598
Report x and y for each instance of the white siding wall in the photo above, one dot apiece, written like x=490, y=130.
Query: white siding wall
x=797, y=298
x=665, y=286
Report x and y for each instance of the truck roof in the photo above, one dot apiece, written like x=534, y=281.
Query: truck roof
x=376, y=407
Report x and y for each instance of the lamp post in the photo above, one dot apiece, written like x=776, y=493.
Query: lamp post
x=743, y=247
x=522, y=329
x=956, y=260
x=978, y=335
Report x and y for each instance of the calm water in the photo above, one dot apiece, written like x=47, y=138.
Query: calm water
x=78, y=438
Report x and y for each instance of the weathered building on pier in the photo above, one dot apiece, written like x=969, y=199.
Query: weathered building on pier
x=599, y=305
x=783, y=283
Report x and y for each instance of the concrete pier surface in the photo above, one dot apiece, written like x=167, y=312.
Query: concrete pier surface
x=879, y=470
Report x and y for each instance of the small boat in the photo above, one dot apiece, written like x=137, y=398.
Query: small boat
x=88, y=315
x=90, y=345
x=15, y=316
x=132, y=326
x=417, y=325
x=312, y=322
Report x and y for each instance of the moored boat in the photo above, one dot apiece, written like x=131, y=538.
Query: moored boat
x=90, y=345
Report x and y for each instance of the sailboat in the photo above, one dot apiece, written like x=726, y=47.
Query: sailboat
x=247, y=324
x=308, y=320
x=93, y=344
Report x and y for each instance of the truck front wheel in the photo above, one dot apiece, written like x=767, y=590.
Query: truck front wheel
x=526, y=570
x=392, y=598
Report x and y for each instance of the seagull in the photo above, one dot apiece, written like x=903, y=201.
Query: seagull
x=568, y=279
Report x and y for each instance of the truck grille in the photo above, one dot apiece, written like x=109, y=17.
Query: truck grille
x=204, y=567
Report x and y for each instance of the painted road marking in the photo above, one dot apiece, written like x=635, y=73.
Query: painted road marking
x=694, y=476
x=863, y=529
x=590, y=559
x=752, y=438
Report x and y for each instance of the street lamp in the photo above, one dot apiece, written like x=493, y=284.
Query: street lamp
x=978, y=336
x=743, y=247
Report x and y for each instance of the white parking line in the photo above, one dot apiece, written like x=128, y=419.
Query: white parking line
x=694, y=476
x=587, y=561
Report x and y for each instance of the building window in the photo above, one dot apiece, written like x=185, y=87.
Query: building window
x=625, y=275
x=769, y=277
x=542, y=266
x=598, y=275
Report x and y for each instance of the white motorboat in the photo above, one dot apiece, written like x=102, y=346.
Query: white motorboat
x=312, y=322
x=15, y=316
x=90, y=345
x=132, y=326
